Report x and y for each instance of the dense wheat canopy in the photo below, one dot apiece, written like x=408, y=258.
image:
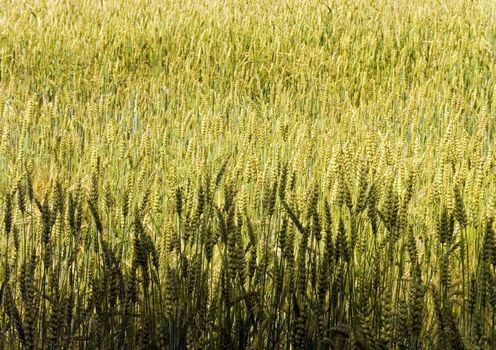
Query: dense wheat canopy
x=247, y=174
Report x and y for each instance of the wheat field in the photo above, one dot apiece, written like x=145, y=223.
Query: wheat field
x=270, y=174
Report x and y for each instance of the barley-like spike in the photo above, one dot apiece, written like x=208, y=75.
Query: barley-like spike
x=179, y=201
x=21, y=197
x=13, y=312
x=460, y=213
x=7, y=216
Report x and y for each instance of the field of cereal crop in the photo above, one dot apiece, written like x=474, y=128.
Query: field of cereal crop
x=272, y=174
